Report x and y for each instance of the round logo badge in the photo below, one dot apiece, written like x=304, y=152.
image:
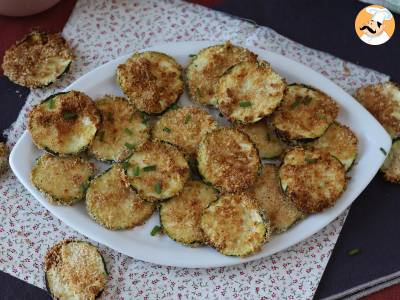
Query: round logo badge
x=374, y=25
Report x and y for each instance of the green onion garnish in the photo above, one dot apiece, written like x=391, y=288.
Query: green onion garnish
x=125, y=165
x=307, y=100
x=310, y=160
x=128, y=131
x=157, y=187
x=166, y=129
x=51, y=103
x=295, y=103
x=174, y=106
x=137, y=171
x=354, y=251
x=130, y=146
x=69, y=115
x=156, y=229
x=244, y=104
x=383, y=151
x=187, y=119
x=150, y=168
x=145, y=118
x=83, y=187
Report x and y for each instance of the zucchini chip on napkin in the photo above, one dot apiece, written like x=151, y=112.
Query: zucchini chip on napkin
x=313, y=179
x=305, y=113
x=235, y=225
x=184, y=127
x=122, y=129
x=249, y=91
x=391, y=166
x=180, y=216
x=157, y=171
x=64, y=123
x=74, y=270
x=63, y=180
x=152, y=81
x=38, y=59
x=113, y=204
x=207, y=67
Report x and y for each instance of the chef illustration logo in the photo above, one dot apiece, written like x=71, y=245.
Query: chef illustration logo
x=374, y=25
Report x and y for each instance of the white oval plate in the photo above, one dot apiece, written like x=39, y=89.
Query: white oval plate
x=138, y=243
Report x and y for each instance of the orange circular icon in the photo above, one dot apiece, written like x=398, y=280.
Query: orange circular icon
x=374, y=25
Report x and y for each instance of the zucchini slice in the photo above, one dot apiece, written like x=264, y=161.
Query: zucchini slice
x=313, y=179
x=4, y=152
x=281, y=212
x=249, y=91
x=228, y=160
x=63, y=180
x=305, y=113
x=382, y=100
x=113, y=204
x=264, y=137
x=184, y=127
x=152, y=81
x=122, y=129
x=180, y=216
x=207, y=67
x=235, y=225
x=64, y=123
x=38, y=59
x=339, y=141
x=74, y=270
x=391, y=166
x=157, y=171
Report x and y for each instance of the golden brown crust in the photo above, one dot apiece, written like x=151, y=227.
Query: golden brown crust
x=391, y=166
x=152, y=81
x=382, y=100
x=228, y=160
x=184, y=127
x=313, y=179
x=28, y=60
x=208, y=66
x=305, y=113
x=4, y=152
x=122, y=128
x=249, y=92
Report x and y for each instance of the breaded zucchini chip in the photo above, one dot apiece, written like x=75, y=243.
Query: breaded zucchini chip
x=207, y=67
x=305, y=113
x=152, y=81
x=281, y=212
x=157, y=171
x=121, y=130
x=382, y=100
x=263, y=135
x=4, y=152
x=313, y=179
x=113, y=204
x=228, y=160
x=235, y=225
x=339, y=141
x=63, y=180
x=249, y=91
x=180, y=216
x=64, y=123
x=184, y=127
x=38, y=59
x=74, y=270
x=391, y=166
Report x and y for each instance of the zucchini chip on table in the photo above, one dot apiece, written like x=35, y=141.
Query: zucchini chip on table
x=235, y=225
x=63, y=180
x=180, y=216
x=228, y=160
x=264, y=137
x=152, y=81
x=184, y=127
x=382, y=100
x=313, y=179
x=38, y=59
x=157, y=171
x=339, y=141
x=281, y=212
x=391, y=166
x=207, y=67
x=122, y=129
x=74, y=270
x=305, y=113
x=64, y=123
x=113, y=204
x=249, y=91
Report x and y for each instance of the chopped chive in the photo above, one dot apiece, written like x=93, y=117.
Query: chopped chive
x=150, y=168
x=294, y=104
x=307, y=100
x=166, y=129
x=187, y=119
x=137, y=171
x=156, y=229
x=310, y=160
x=130, y=146
x=383, y=151
x=51, y=103
x=110, y=116
x=174, y=106
x=354, y=251
x=157, y=187
x=83, y=187
x=125, y=165
x=69, y=115
x=128, y=131
x=145, y=118
x=101, y=136
x=244, y=104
